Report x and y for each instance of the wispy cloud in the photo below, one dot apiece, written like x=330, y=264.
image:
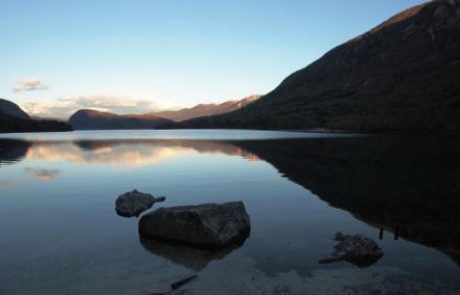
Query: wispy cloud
x=64, y=107
x=113, y=103
x=29, y=84
x=49, y=109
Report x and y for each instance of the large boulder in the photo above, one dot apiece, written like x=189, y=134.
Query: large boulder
x=358, y=250
x=205, y=225
x=133, y=203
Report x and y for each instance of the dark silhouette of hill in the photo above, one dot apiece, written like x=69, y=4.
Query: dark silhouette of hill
x=11, y=109
x=402, y=76
x=93, y=120
x=14, y=119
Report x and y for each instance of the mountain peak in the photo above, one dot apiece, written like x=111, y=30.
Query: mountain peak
x=429, y=14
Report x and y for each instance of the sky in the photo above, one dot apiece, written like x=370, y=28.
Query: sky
x=131, y=56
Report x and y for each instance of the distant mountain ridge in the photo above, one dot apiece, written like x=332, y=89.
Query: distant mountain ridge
x=87, y=119
x=401, y=76
x=203, y=110
x=14, y=119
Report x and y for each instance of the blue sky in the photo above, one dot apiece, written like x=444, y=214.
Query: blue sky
x=142, y=55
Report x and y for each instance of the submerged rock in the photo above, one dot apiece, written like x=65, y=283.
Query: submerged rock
x=134, y=203
x=358, y=250
x=204, y=226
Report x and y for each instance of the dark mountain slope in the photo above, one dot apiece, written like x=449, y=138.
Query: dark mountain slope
x=91, y=120
x=402, y=76
x=9, y=108
x=13, y=124
x=14, y=119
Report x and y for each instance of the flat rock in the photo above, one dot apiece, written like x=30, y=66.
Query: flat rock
x=358, y=250
x=204, y=226
x=133, y=203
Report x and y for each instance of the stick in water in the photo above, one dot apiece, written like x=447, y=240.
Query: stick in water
x=180, y=283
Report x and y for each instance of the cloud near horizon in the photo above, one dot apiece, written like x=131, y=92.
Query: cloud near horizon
x=29, y=84
x=63, y=108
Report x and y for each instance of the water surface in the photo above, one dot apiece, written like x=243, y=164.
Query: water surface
x=60, y=233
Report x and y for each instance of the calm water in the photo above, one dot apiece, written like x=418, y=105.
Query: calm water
x=60, y=234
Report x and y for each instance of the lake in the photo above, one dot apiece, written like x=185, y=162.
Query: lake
x=60, y=233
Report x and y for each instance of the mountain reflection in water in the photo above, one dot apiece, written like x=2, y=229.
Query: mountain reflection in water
x=12, y=150
x=127, y=152
x=406, y=185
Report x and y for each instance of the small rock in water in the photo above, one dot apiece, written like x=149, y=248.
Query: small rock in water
x=358, y=250
x=133, y=203
x=206, y=225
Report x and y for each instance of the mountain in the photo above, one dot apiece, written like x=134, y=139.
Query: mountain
x=9, y=108
x=14, y=119
x=203, y=110
x=401, y=76
x=91, y=119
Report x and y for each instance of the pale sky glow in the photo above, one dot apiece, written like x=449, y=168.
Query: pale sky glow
x=153, y=54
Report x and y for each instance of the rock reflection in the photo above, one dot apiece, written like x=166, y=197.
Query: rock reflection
x=193, y=258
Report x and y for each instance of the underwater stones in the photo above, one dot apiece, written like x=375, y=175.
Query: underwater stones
x=358, y=250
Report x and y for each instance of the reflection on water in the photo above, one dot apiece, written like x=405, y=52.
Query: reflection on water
x=6, y=183
x=42, y=173
x=12, y=150
x=106, y=152
x=409, y=186
x=194, y=258
x=397, y=189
